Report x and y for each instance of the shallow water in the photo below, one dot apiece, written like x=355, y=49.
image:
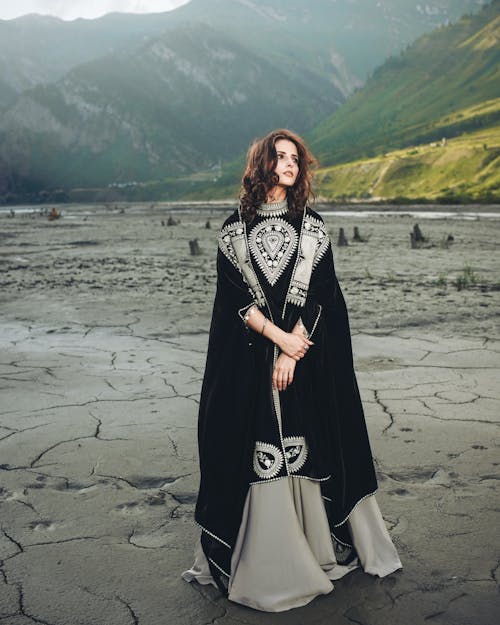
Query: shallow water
x=467, y=212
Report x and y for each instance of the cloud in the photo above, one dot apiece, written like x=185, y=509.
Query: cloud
x=84, y=8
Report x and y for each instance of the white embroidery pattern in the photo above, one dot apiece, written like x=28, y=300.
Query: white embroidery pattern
x=225, y=237
x=273, y=209
x=233, y=244
x=313, y=244
x=319, y=229
x=296, y=451
x=267, y=460
x=272, y=244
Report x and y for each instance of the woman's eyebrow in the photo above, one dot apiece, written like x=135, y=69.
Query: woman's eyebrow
x=281, y=152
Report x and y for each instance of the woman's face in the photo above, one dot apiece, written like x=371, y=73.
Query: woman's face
x=287, y=166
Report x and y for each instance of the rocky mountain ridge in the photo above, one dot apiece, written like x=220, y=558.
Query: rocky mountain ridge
x=153, y=106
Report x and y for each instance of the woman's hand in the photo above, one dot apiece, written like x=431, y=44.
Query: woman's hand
x=294, y=345
x=283, y=372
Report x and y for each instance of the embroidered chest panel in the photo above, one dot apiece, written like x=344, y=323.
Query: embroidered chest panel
x=313, y=244
x=233, y=244
x=272, y=245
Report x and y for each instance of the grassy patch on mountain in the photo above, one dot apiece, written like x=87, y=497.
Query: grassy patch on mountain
x=463, y=169
x=419, y=96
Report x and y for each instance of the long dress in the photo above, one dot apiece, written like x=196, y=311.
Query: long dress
x=287, y=492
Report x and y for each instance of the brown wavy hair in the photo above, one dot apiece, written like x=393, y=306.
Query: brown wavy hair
x=259, y=177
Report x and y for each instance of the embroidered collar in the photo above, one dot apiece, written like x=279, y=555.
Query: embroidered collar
x=273, y=209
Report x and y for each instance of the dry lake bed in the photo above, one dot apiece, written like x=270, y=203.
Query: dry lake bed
x=104, y=316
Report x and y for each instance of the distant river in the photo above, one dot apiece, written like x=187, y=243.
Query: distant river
x=361, y=211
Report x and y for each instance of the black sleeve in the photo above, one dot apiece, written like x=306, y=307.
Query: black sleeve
x=236, y=297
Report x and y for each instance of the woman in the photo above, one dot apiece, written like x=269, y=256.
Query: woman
x=286, y=500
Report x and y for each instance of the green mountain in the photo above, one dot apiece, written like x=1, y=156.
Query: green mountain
x=462, y=169
x=416, y=97
x=181, y=103
x=426, y=127
x=37, y=49
x=345, y=38
x=162, y=107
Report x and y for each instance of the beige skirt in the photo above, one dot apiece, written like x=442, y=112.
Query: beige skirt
x=284, y=555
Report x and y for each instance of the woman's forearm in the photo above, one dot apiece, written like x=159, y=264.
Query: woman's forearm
x=299, y=328
x=258, y=322
x=293, y=344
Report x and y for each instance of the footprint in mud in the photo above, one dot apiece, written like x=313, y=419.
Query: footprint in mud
x=145, y=481
x=400, y=492
x=151, y=540
x=185, y=498
x=85, y=489
x=40, y=526
x=157, y=499
x=35, y=485
x=417, y=474
x=14, y=495
x=130, y=507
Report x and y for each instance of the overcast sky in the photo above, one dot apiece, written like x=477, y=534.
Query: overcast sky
x=71, y=9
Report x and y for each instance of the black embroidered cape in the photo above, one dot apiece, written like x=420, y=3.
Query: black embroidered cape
x=248, y=433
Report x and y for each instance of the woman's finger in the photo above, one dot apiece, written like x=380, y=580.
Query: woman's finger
x=275, y=379
x=282, y=381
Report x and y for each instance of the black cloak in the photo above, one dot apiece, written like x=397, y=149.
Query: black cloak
x=248, y=433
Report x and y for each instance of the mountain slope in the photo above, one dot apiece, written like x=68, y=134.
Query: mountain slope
x=170, y=105
x=345, y=38
x=362, y=33
x=406, y=100
x=37, y=49
x=465, y=168
x=184, y=101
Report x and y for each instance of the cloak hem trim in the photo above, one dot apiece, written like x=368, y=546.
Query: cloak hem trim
x=347, y=517
x=282, y=477
x=218, y=567
x=358, y=502
x=213, y=535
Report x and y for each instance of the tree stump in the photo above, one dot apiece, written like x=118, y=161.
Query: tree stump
x=357, y=236
x=419, y=237
x=416, y=237
x=194, y=248
x=342, y=241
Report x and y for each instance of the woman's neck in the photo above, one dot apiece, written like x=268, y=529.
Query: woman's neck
x=277, y=194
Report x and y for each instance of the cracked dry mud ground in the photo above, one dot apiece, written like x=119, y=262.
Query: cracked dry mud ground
x=98, y=461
